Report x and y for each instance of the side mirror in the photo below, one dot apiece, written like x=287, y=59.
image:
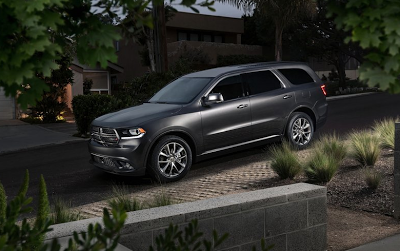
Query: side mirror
x=213, y=98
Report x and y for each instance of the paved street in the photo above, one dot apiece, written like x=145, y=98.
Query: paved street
x=69, y=175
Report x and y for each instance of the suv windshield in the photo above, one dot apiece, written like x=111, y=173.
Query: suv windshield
x=180, y=91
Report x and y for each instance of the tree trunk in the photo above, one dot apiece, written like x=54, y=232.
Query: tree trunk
x=150, y=46
x=278, y=42
x=341, y=71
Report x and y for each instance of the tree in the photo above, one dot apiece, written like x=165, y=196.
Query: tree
x=319, y=38
x=283, y=13
x=28, y=48
x=52, y=103
x=373, y=24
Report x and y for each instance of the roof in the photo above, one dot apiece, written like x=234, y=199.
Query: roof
x=215, y=72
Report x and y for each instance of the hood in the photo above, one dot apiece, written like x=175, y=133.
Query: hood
x=136, y=115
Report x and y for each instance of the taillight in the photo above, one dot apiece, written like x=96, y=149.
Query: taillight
x=323, y=89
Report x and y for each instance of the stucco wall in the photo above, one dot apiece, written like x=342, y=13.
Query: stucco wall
x=7, y=106
x=212, y=49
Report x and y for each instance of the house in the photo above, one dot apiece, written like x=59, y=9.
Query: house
x=214, y=35
x=102, y=79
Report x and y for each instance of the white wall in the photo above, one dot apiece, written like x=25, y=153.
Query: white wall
x=7, y=106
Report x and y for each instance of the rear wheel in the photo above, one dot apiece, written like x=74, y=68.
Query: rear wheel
x=300, y=130
x=171, y=159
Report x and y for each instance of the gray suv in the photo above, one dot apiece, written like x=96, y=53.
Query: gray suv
x=206, y=113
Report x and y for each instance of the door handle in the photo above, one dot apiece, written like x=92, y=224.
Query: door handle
x=242, y=106
x=287, y=96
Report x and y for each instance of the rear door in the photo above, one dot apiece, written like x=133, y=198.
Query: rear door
x=229, y=122
x=271, y=103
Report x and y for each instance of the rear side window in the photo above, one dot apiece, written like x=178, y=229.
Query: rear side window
x=261, y=81
x=297, y=76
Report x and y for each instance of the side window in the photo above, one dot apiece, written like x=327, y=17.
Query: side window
x=261, y=81
x=230, y=88
x=297, y=76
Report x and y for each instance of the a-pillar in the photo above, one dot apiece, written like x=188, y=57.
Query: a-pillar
x=397, y=172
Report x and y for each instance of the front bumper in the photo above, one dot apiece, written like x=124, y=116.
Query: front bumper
x=120, y=159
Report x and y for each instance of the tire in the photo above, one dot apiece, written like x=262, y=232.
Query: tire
x=171, y=159
x=299, y=130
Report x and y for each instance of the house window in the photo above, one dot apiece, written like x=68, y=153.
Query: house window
x=207, y=38
x=182, y=36
x=194, y=37
x=218, y=39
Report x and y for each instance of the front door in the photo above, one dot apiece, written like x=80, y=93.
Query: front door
x=229, y=122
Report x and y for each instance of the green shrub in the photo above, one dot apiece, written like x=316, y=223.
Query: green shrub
x=88, y=107
x=123, y=200
x=372, y=178
x=24, y=236
x=61, y=212
x=332, y=145
x=174, y=239
x=226, y=60
x=87, y=85
x=285, y=162
x=366, y=147
x=321, y=168
x=385, y=130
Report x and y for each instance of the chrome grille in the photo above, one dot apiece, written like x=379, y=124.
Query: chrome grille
x=105, y=136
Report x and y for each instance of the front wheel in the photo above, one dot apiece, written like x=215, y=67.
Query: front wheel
x=171, y=159
x=300, y=130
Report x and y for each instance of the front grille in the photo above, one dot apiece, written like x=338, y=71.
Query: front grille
x=105, y=136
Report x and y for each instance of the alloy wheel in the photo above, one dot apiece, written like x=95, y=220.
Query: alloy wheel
x=301, y=131
x=172, y=159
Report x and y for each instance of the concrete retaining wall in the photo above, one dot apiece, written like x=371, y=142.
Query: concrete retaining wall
x=291, y=217
x=397, y=172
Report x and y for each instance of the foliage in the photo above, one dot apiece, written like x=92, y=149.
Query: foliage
x=42, y=216
x=123, y=200
x=174, y=239
x=319, y=38
x=24, y=236
x=87, y=85
x=332, y=145
x=321, y=168
x=285, y=161
x=373, y=24
x=372, y=178
x=190, y=59
x=282, y=12
x=52, y=103
x=88, y=107
x=386, y=131
x=366, y=147
x=61, y=212
x=35, y=33
x=258, y=30
x=226, y=60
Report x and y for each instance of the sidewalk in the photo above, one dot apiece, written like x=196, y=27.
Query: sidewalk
x=16, y=135
x=391, y=243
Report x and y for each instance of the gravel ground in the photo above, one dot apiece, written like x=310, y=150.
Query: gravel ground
x=356, y=214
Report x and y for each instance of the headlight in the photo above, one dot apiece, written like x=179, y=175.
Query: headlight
x=131, y=133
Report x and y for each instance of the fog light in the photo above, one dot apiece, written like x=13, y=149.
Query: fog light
x=125, y=165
